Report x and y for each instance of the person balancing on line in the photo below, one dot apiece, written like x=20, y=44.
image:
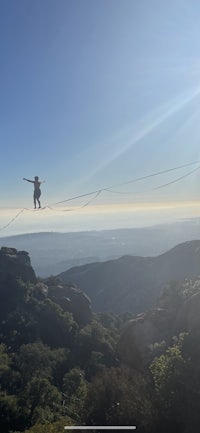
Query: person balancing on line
x=37, y=190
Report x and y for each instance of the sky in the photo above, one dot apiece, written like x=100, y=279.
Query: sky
x=94, y=94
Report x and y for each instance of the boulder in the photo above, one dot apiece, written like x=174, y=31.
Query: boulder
x=73, y=300
x=16, y=263
x=187, y=318
x=139, y=336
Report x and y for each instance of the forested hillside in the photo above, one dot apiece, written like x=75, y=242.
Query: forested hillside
x=61, y=364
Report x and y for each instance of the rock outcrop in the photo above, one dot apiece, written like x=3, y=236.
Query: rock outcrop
x=188, y=318
x=15, y=263
x=149, y=332
x=139, y=336
x=71, y=299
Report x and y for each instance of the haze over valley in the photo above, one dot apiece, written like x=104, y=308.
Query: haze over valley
x=52, y=253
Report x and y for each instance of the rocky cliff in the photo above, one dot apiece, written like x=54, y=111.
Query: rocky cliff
x=71, y=299
x=16, y=263
x=149, y=333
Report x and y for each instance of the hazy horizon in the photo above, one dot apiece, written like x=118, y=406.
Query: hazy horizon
x=98, y=217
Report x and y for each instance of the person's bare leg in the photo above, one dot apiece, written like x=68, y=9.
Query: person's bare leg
x=39, y=203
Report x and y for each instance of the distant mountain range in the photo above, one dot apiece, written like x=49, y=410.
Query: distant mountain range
x=133, y=283
x=52, y=253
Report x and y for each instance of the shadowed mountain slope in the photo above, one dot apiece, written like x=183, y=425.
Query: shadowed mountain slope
x=133, y=283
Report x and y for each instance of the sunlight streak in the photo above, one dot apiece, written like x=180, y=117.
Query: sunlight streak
x=147, y=125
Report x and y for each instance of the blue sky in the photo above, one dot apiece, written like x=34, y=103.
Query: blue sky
x=97, y=92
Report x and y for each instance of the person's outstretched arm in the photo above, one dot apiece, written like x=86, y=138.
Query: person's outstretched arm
x=28, y=180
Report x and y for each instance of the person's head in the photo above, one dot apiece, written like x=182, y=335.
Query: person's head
x=36, y=177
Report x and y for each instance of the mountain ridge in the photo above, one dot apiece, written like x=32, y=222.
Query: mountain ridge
x=55, y=252
x=132, y=283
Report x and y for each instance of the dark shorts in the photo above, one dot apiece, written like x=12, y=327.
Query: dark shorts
x=37, y=193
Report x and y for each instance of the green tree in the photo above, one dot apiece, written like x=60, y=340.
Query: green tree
x=4, y=363
x=191, y=353
x=55, y=327
x=55, y=427
x=119, y=396
x=10, y=418
x=10, y=378
x=74, y=392
x=168, y=373
x=95, y=338
x=34, y=360
x=41, y=401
